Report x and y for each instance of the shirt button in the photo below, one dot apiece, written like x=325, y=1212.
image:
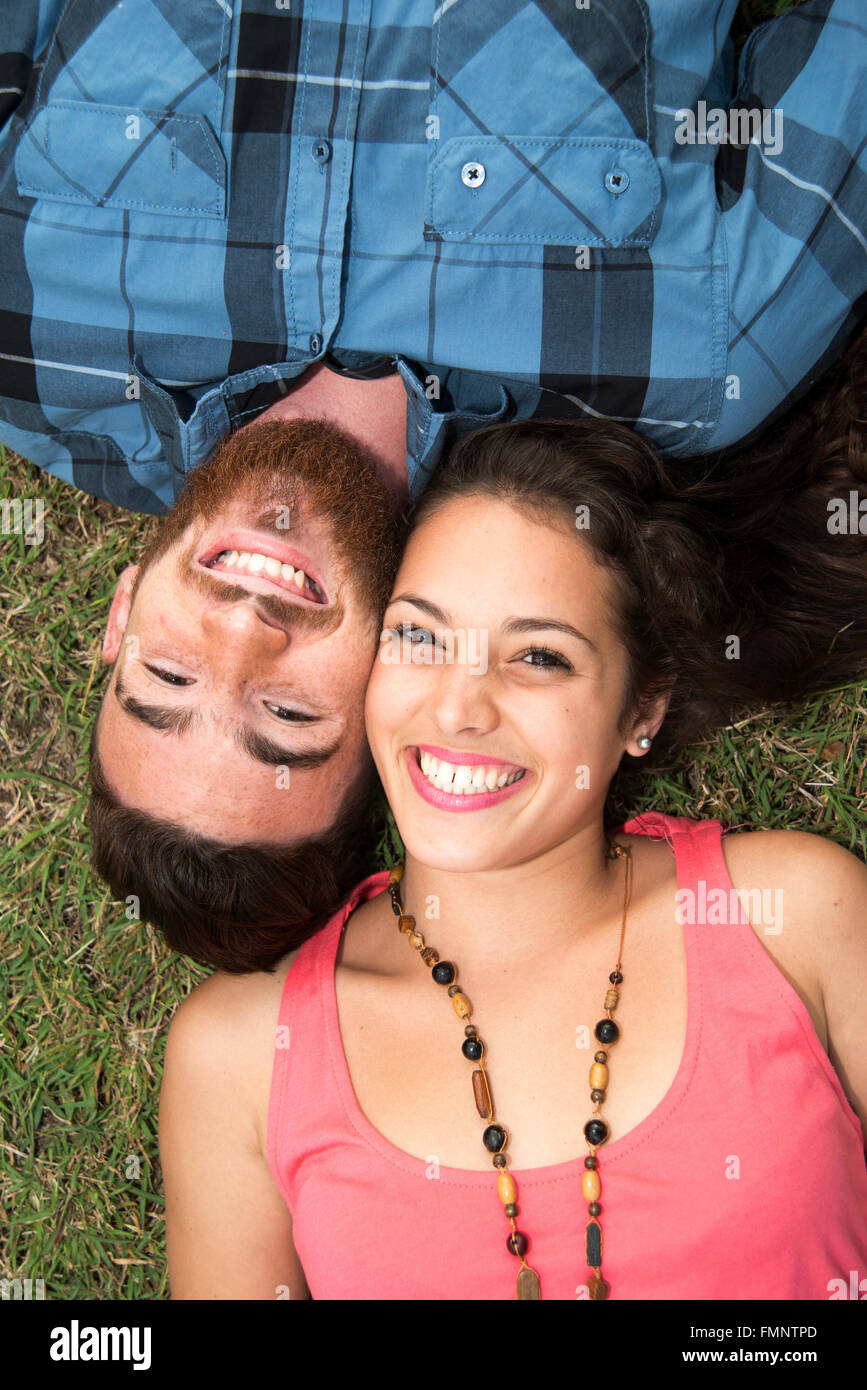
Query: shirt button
x=321, y=151
x=617, y=181
x=473, y=174
x=315, y=343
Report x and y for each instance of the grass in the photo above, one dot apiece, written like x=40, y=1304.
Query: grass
x=89, y=993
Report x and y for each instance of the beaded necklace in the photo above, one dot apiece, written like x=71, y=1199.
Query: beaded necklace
x=495, y=1136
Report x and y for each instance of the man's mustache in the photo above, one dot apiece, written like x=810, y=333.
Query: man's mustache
x=321, y=618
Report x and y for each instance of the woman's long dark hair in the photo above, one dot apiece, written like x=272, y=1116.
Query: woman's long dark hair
x=739, y=577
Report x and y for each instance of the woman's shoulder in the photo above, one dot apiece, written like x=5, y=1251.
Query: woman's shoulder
x=221, y=1042
x=806, y=859
x=229, y=1020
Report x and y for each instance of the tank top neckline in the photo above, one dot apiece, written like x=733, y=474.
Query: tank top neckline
x=551, y=1172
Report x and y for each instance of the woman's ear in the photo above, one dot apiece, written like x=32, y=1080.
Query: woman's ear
x=118, y=614
x=648, y=725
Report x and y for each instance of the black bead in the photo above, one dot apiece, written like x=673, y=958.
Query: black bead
x=591, y=1161
x=472, y=1049
x=395, y=903
x=511, y=1209
x=594, y=1245
x=517, y=1243
x=616, y=978
x=607, y=1031
x=443, y=972
x=596, y=1131
x=494, y=1138
x=594, y=1208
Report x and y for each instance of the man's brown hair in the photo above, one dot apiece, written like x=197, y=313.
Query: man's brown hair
x=234, y=907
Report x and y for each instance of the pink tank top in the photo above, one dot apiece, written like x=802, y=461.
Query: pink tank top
x=746, y=1181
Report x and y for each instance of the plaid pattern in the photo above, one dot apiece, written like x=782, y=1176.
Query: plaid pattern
x=198, y=200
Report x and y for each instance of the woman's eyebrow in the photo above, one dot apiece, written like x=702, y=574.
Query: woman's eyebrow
x=511, y=625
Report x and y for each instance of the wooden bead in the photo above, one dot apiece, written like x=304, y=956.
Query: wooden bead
x=598, y=1076
x=597, y=1287
x=528, y=1283
x=590, y=1185
x=429, y=955
x=415, y=939
x=611, y=999
x=395, y=874
x=406, y=923
x=506, y=1188
x=482, y=1093
x=463, y=1008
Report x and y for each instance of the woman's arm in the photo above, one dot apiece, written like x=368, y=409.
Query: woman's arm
x=842, y=879
x=823, y=941
x=228, y=1227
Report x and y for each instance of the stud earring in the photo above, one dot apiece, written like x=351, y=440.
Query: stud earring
x=645, y=741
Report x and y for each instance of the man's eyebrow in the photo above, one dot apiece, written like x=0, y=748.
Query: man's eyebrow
x=255, y=745
x=265, y=750
x=512, y=625
x=162, y=717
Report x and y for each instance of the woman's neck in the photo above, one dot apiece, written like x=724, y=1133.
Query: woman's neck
x=507, y=920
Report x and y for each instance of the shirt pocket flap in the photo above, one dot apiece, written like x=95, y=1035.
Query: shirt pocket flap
x=555, y=189
x=122, y=157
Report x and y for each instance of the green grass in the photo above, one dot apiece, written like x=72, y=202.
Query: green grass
x=89, y=993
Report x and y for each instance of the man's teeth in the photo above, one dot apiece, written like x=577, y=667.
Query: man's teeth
x=254, y=563
x=463, y=779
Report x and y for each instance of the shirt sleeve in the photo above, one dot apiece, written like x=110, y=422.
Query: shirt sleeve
x=26, y=29
x=793, y=201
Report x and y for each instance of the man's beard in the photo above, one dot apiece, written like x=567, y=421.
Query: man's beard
x=305, y=464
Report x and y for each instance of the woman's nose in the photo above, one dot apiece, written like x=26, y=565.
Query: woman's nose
x=463, y=701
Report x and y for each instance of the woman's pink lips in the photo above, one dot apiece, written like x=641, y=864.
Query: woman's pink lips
x=264, y=545
x=452, y=755
x=446, y=801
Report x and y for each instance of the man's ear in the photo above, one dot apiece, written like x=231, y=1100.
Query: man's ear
x=649, y=724
x=118, y=614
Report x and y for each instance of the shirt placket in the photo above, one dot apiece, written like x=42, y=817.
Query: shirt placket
x=331, y=68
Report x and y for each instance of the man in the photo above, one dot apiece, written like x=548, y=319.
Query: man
x=210, y=211
x=230, y=774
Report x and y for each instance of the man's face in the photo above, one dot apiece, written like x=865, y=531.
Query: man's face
x=243, y=642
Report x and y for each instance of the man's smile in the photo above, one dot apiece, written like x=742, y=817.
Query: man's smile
x=266, y=564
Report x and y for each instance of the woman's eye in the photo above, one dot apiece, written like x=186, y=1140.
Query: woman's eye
x=169, y=677
x=416, y=636
x=544, y=657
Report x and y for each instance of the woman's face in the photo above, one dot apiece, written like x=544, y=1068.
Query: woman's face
x=492, y=711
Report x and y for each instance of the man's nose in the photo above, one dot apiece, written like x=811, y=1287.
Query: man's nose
x=236, y=630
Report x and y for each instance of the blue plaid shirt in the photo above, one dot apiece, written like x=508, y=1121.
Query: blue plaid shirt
x=527, y=204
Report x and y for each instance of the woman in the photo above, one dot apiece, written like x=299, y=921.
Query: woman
x=617, y=1081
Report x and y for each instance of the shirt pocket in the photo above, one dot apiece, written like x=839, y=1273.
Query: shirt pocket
x=122, y=157
x=554, y=149
x=128, y=110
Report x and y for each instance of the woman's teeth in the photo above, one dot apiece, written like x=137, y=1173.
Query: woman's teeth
x=251, y=562
x=463, y=779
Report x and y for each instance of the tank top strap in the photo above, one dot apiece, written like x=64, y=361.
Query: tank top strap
x=696, y=845
x=305, y=1097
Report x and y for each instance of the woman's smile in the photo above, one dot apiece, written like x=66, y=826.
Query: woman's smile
x=462, y=780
